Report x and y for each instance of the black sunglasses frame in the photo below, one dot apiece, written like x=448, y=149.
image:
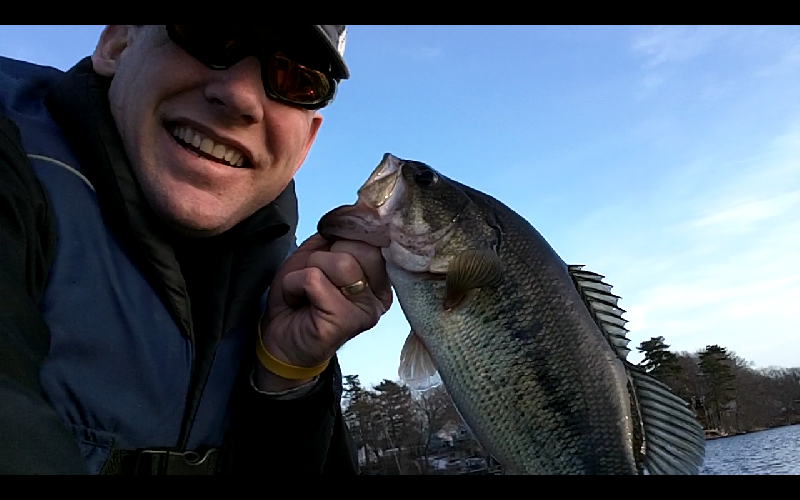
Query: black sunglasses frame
x=247, y=45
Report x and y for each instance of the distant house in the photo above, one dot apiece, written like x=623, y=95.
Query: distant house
x=454, y=448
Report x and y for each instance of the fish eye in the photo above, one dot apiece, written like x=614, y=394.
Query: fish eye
x=426, y=177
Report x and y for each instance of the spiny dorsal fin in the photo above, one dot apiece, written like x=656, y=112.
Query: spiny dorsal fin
x=603, y=306
x=417, y=369
x=674, y=440
x=469, y=270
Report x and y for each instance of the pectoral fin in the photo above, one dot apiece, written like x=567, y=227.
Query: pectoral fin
x=417, y=369
x=469, y=270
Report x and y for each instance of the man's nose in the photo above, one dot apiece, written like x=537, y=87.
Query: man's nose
x=239, y=90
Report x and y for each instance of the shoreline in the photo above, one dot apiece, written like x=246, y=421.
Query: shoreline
x=712, y=434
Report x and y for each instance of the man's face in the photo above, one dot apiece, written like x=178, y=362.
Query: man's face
x=161, y=98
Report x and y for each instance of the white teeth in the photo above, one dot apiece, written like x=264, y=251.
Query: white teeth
x=208, y=146
x=218, y=151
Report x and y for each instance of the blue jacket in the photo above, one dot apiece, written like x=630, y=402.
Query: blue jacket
x=132, y=362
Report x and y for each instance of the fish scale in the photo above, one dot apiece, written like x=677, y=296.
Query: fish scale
x=486, y=402
x=532, y=351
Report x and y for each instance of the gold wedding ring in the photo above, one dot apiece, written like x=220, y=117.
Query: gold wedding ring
x=357, y=287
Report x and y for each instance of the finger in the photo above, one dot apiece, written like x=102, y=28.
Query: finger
x=294, y=262
x=342, y=269
x=372, y=264
x=314, y=243
x=297, y=260
x=346, y=316
x=312, y=286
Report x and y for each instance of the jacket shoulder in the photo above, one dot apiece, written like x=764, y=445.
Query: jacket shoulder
x=22, y=82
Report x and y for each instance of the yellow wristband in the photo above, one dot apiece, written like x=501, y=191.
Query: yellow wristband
x=284, y=370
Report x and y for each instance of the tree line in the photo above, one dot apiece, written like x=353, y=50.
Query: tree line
x=400, y=432
x=727, y=393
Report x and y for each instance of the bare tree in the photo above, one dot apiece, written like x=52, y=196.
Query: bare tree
x=434, y=409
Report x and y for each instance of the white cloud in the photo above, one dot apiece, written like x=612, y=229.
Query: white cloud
x=732, y=276
x=757, y=319
x=761, y=56
x=741, y=214
x=649, y=84
x=666, y=44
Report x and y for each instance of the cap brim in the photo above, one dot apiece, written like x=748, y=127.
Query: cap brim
x=338, y=67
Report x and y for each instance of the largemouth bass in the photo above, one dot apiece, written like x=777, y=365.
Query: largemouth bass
x=531, y=350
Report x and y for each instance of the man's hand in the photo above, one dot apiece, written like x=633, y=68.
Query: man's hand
x=308, y=317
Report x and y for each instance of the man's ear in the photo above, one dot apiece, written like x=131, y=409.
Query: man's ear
x=113, y=41
x=316, y=123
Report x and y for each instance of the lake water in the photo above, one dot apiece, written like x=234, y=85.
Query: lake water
x=774, y=451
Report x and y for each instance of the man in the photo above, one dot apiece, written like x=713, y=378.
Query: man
x=146, y=208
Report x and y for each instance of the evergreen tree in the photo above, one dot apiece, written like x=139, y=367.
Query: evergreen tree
x=659, y=361
x=395, y=418
x=359, y=410
x=716, y=367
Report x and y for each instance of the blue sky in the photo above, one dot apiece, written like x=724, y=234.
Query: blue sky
x=665, y=158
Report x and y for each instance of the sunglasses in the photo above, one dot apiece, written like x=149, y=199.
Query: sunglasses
x=285, y=79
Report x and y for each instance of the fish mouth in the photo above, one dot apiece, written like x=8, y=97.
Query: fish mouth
x=368, y=219
x=359, y=222
x=383, y=188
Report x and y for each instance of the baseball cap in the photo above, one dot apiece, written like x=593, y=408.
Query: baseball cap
x=333, y=37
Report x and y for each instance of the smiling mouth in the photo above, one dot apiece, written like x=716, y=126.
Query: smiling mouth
x=200, y=145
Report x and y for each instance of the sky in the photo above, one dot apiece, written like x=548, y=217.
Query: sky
x=666, y=158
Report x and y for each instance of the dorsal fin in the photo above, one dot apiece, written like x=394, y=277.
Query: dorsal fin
x=602, y=304
x=673, y=438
